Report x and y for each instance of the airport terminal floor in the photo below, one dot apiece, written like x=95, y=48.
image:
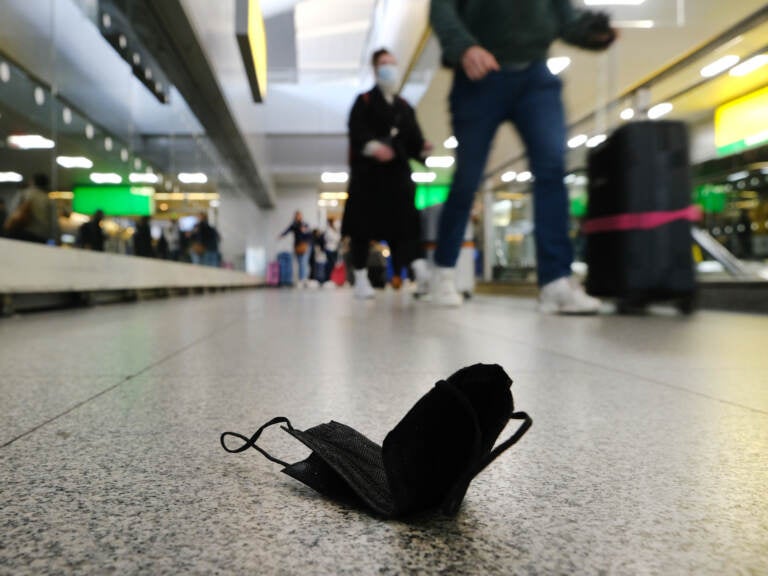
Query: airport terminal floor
x=648, y=452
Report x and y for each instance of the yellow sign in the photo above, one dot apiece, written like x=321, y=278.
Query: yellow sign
x=252, y=39
x=742, y=123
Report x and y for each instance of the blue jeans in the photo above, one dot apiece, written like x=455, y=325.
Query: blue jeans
x=303, y=261
x=210, y=258
x=531, y=99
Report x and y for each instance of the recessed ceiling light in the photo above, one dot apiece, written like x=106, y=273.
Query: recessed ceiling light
x=749, y=66
x=719, y=66
x=660, y=110
x=89, y=131
x=30, y=142
x=642, y=24
x=524, y=176
x=5, y=72
x=74, y=162
x=105, y=178
x=596, y=140
x=334, y=177
x=106, y=20
x=509, y=176
x=192, y=178
x=11, y=177
x=122, y=41
x=423, y=177
x=124, y=155
x=577, y=141
x=627, y=114
x=39, y=96
x=108, y=144
x=439, y=162
x=141, y=178
x=66, y=115
x=451, y=143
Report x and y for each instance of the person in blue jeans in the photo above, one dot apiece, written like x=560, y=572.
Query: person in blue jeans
x=302, y=235
x=498, y=49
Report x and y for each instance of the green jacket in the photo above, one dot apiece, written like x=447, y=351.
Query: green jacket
x=514, y=31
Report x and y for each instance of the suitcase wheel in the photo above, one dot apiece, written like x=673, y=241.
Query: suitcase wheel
x=686, y=305
x=631, y=306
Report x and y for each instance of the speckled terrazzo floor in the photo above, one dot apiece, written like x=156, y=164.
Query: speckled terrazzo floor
x=648, y=454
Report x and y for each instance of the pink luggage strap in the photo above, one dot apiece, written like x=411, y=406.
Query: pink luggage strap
x=640, y=220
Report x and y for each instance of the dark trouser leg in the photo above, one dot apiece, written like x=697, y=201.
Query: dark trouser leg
x=359, y=249
x=540, y=119
x=478, y=108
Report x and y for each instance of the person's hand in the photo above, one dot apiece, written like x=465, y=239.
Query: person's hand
x=478, y=62
x=605, y=39
x=384, y=153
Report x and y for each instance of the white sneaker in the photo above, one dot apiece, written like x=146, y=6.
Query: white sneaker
x=421, y=271
x=566, y=296
x=442, y=288
x=363, y=288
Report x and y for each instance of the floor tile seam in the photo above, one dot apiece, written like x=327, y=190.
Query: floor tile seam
x=122, y=381
x=614, y=370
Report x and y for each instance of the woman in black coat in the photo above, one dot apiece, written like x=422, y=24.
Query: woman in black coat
x=383, y=136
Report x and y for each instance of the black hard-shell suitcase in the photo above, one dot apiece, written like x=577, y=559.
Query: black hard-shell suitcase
x=638, y=227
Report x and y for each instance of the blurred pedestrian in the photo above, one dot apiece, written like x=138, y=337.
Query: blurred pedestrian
x=319, y=258
x=34, y=218
x=205, y=243
x=302, y=235
x=332, y=242
x=172, y=234
x=384, y=136
x=498, y=50
x=91, y=236
x=142, y=239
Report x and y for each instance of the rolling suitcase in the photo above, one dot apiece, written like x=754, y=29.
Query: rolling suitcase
x=638, y=226
x=285, y=262
x=273, y=274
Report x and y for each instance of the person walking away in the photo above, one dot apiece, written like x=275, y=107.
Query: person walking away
x=332, y=242
x=319, y=258
x=383, y=136
x=498, y=50
x=90, y=235
x=172, y=234
x=34, y=218
x=142, y=239
x=301, y=239
x=206, y=242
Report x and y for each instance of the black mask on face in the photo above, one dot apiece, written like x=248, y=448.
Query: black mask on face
x=426, y=462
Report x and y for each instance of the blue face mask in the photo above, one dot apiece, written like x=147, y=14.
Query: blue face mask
x=387, y=77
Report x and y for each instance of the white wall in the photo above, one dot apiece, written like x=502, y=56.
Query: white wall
x=241, y=224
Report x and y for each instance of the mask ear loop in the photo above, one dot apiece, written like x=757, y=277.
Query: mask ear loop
x=251, y=442
x=453, y=501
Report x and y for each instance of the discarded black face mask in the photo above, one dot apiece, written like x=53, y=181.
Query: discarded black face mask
x=427, y=460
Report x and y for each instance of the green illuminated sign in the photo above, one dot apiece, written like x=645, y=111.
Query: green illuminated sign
x=114, y=200
x=711, y=198
x=429, y=194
